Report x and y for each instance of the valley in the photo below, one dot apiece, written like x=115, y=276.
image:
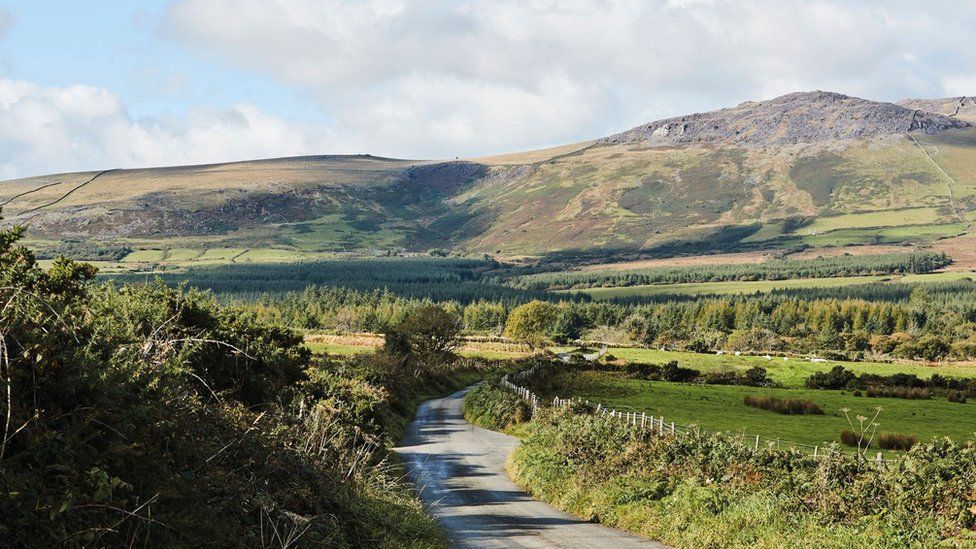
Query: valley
x=758, y=275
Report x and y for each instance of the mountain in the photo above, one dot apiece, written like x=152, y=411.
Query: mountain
x=805, y=169
x=806, y=117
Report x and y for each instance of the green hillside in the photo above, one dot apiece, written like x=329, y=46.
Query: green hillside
x=839, y=171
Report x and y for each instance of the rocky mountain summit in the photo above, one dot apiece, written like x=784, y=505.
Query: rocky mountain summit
x=803, y=117
x=962, y=108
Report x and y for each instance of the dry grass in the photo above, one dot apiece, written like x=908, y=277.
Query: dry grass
x=531, y=157
x=190, y=183
x=471, y=344
x=962, y=250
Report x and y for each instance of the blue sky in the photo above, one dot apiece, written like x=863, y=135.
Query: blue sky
x=118, y=46
x=97, y=84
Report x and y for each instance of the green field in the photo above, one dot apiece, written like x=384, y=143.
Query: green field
x=753, y=286
x=337, y=349
x=887, y=218
x=720, y=408
x=790, y=372
x=884, y=235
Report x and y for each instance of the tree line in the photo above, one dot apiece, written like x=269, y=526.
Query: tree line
x=779, y=269
x=934, y=321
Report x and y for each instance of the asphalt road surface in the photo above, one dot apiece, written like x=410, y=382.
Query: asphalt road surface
x=460, y=470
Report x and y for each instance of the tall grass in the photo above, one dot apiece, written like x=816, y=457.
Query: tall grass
x=884, y=441
x=786, y=406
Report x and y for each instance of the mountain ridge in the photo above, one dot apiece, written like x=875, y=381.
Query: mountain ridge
x=800, y=117
x=768, y=174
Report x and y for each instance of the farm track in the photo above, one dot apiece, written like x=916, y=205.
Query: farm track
x=460, y=470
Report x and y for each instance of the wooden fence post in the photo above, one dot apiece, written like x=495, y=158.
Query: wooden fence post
x=814, y=452
x=757, y=442
x=672, y=427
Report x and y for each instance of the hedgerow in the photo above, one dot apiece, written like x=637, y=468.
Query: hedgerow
x=710, y=490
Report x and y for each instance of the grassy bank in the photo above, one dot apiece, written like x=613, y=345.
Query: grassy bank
x=706, y=491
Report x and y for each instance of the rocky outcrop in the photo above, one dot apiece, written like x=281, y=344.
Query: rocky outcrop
x=804, y=117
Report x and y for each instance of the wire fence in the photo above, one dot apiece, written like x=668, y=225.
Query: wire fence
x=659, y=426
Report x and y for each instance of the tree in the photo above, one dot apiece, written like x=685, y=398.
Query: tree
x=531, y=323
x=432, y=333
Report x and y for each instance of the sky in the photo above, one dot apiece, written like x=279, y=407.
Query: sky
x=103, y=84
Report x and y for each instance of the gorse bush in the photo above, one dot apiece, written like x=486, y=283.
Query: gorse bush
x=784, y=406
x=494, y=407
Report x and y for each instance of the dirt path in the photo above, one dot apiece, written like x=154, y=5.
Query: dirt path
x=460, y=469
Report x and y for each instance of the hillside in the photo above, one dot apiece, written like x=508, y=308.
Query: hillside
x=815, y=169
x=806, y=117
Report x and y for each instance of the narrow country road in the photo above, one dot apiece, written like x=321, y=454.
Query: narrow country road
x=460, y=470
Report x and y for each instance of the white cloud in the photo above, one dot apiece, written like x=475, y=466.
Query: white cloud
x=441, y=78
x=957, y=85
x=438, y=77
x=56, y=129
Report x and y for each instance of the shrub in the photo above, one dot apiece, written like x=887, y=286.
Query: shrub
x=896, y=441
x=836, y=378
x=756, y=377
x=786, y=406
x=909, y=393
x=957, y=396
x=494, y=407
x=673, y=372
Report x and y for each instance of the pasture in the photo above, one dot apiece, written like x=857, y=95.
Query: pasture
x=789, y=372
x=721, y=408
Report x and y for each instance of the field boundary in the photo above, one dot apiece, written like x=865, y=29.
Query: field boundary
x=659, y=426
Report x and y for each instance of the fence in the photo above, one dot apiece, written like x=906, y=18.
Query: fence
x=658, y=425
